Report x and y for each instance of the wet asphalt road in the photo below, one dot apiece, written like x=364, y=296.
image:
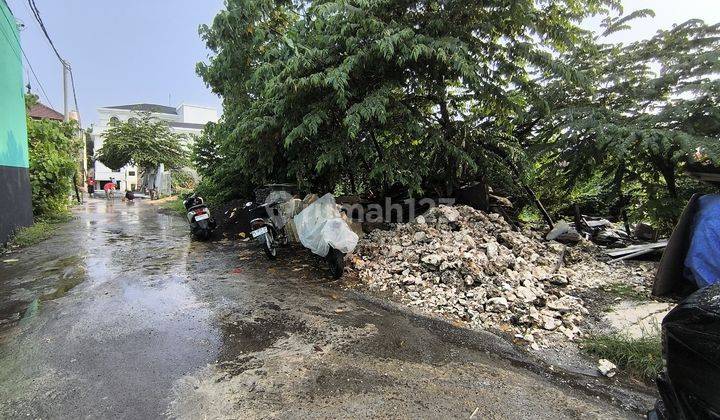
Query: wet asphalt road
x=121, y=315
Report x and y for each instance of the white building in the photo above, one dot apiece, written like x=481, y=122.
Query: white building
x=185, y=119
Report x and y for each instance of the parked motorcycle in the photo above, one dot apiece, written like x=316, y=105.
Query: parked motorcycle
x=270, y=233
x=199, y=218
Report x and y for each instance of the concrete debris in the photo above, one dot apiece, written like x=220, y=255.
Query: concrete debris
x=470, y=266
x=607, y=368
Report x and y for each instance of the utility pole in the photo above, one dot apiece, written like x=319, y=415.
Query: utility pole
x=66, y=98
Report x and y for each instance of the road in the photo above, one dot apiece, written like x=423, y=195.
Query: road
x=122, y=315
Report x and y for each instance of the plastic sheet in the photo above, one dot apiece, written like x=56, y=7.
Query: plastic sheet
x=320, y=226
x=702, y=263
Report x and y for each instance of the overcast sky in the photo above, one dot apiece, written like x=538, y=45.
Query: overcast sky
x=135, y=51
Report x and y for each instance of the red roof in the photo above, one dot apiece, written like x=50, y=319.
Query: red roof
x=42, y=112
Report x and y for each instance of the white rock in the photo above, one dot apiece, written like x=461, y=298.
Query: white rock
x=432, y=259
x=607, y=368
x=525, y=294
x=491, y=250
x=450, y=213
x=496, y=304
x=550, y=324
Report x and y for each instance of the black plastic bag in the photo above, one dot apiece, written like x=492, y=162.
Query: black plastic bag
x=690, y=384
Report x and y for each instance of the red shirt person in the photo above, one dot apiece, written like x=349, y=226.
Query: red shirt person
x=108, y=187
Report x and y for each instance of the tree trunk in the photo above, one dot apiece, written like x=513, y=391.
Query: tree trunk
x=669, y=176
x=448, y=137
x=351, y=176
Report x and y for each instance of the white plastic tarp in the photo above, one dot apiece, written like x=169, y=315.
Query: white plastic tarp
x=320, y=226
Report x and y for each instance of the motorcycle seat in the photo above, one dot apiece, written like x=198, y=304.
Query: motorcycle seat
x=197, y=207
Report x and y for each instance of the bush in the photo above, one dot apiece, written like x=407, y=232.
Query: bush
x=182, y=181
x=53, y=147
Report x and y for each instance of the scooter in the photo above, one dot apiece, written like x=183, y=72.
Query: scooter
x=264, y=230
x=270, y=237
x=198, y=216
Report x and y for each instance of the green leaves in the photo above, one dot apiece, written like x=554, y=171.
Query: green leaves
x=643, y=110
x=54, y=148
x=419, y=96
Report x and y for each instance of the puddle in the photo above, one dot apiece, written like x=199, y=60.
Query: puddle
x=33, y=281
x=30, y=312
x=65, y=285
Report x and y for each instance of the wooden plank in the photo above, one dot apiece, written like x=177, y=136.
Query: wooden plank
x=635, y=248
x=635, y=254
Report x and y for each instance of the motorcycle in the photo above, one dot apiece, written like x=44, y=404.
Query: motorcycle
x=264, y=230
x=270, y=235
x=198, y=216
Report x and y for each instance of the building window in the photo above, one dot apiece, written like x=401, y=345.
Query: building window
x=131, y=173
x=114, y=119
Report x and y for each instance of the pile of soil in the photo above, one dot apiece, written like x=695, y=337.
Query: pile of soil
x=233, y=220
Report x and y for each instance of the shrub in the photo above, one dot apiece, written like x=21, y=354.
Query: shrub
x=641, y=357
x=53, y=147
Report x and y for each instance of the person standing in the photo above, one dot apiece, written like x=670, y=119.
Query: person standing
x=109, y=188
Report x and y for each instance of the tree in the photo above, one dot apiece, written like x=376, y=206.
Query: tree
x=144, y=142
x=367, y=95
x=206, y=150
x=647, y=108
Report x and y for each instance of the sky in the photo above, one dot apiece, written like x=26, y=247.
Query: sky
x=138, y=51
x=121, y=52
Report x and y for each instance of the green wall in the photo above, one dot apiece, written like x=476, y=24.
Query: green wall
x=13, y=129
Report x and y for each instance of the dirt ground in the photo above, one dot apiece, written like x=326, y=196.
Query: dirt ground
x=122, y=315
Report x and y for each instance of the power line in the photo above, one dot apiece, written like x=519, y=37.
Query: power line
x=36, y=13
x=27, y=60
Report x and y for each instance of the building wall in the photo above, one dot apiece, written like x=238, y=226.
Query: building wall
x=16, y=202
x=195, y=114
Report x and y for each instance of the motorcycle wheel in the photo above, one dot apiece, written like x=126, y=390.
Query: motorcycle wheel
x=336, y=261
x=203, y=234
x=267, y=241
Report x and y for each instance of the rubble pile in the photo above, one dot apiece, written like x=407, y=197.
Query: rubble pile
x=471, y=266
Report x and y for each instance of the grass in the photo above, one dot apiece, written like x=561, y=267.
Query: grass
x=41, y=230
x=174, y=205
x=624, y=291
x=641, y=357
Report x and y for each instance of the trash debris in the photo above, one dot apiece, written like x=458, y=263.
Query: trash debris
x=607, y=368
x=633, y=251
x=471, y=266
x=11, y=260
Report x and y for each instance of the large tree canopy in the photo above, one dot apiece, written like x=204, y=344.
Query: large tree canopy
x=649, y=108
x=142, y=141
x=380, y=96
x=372, y=94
